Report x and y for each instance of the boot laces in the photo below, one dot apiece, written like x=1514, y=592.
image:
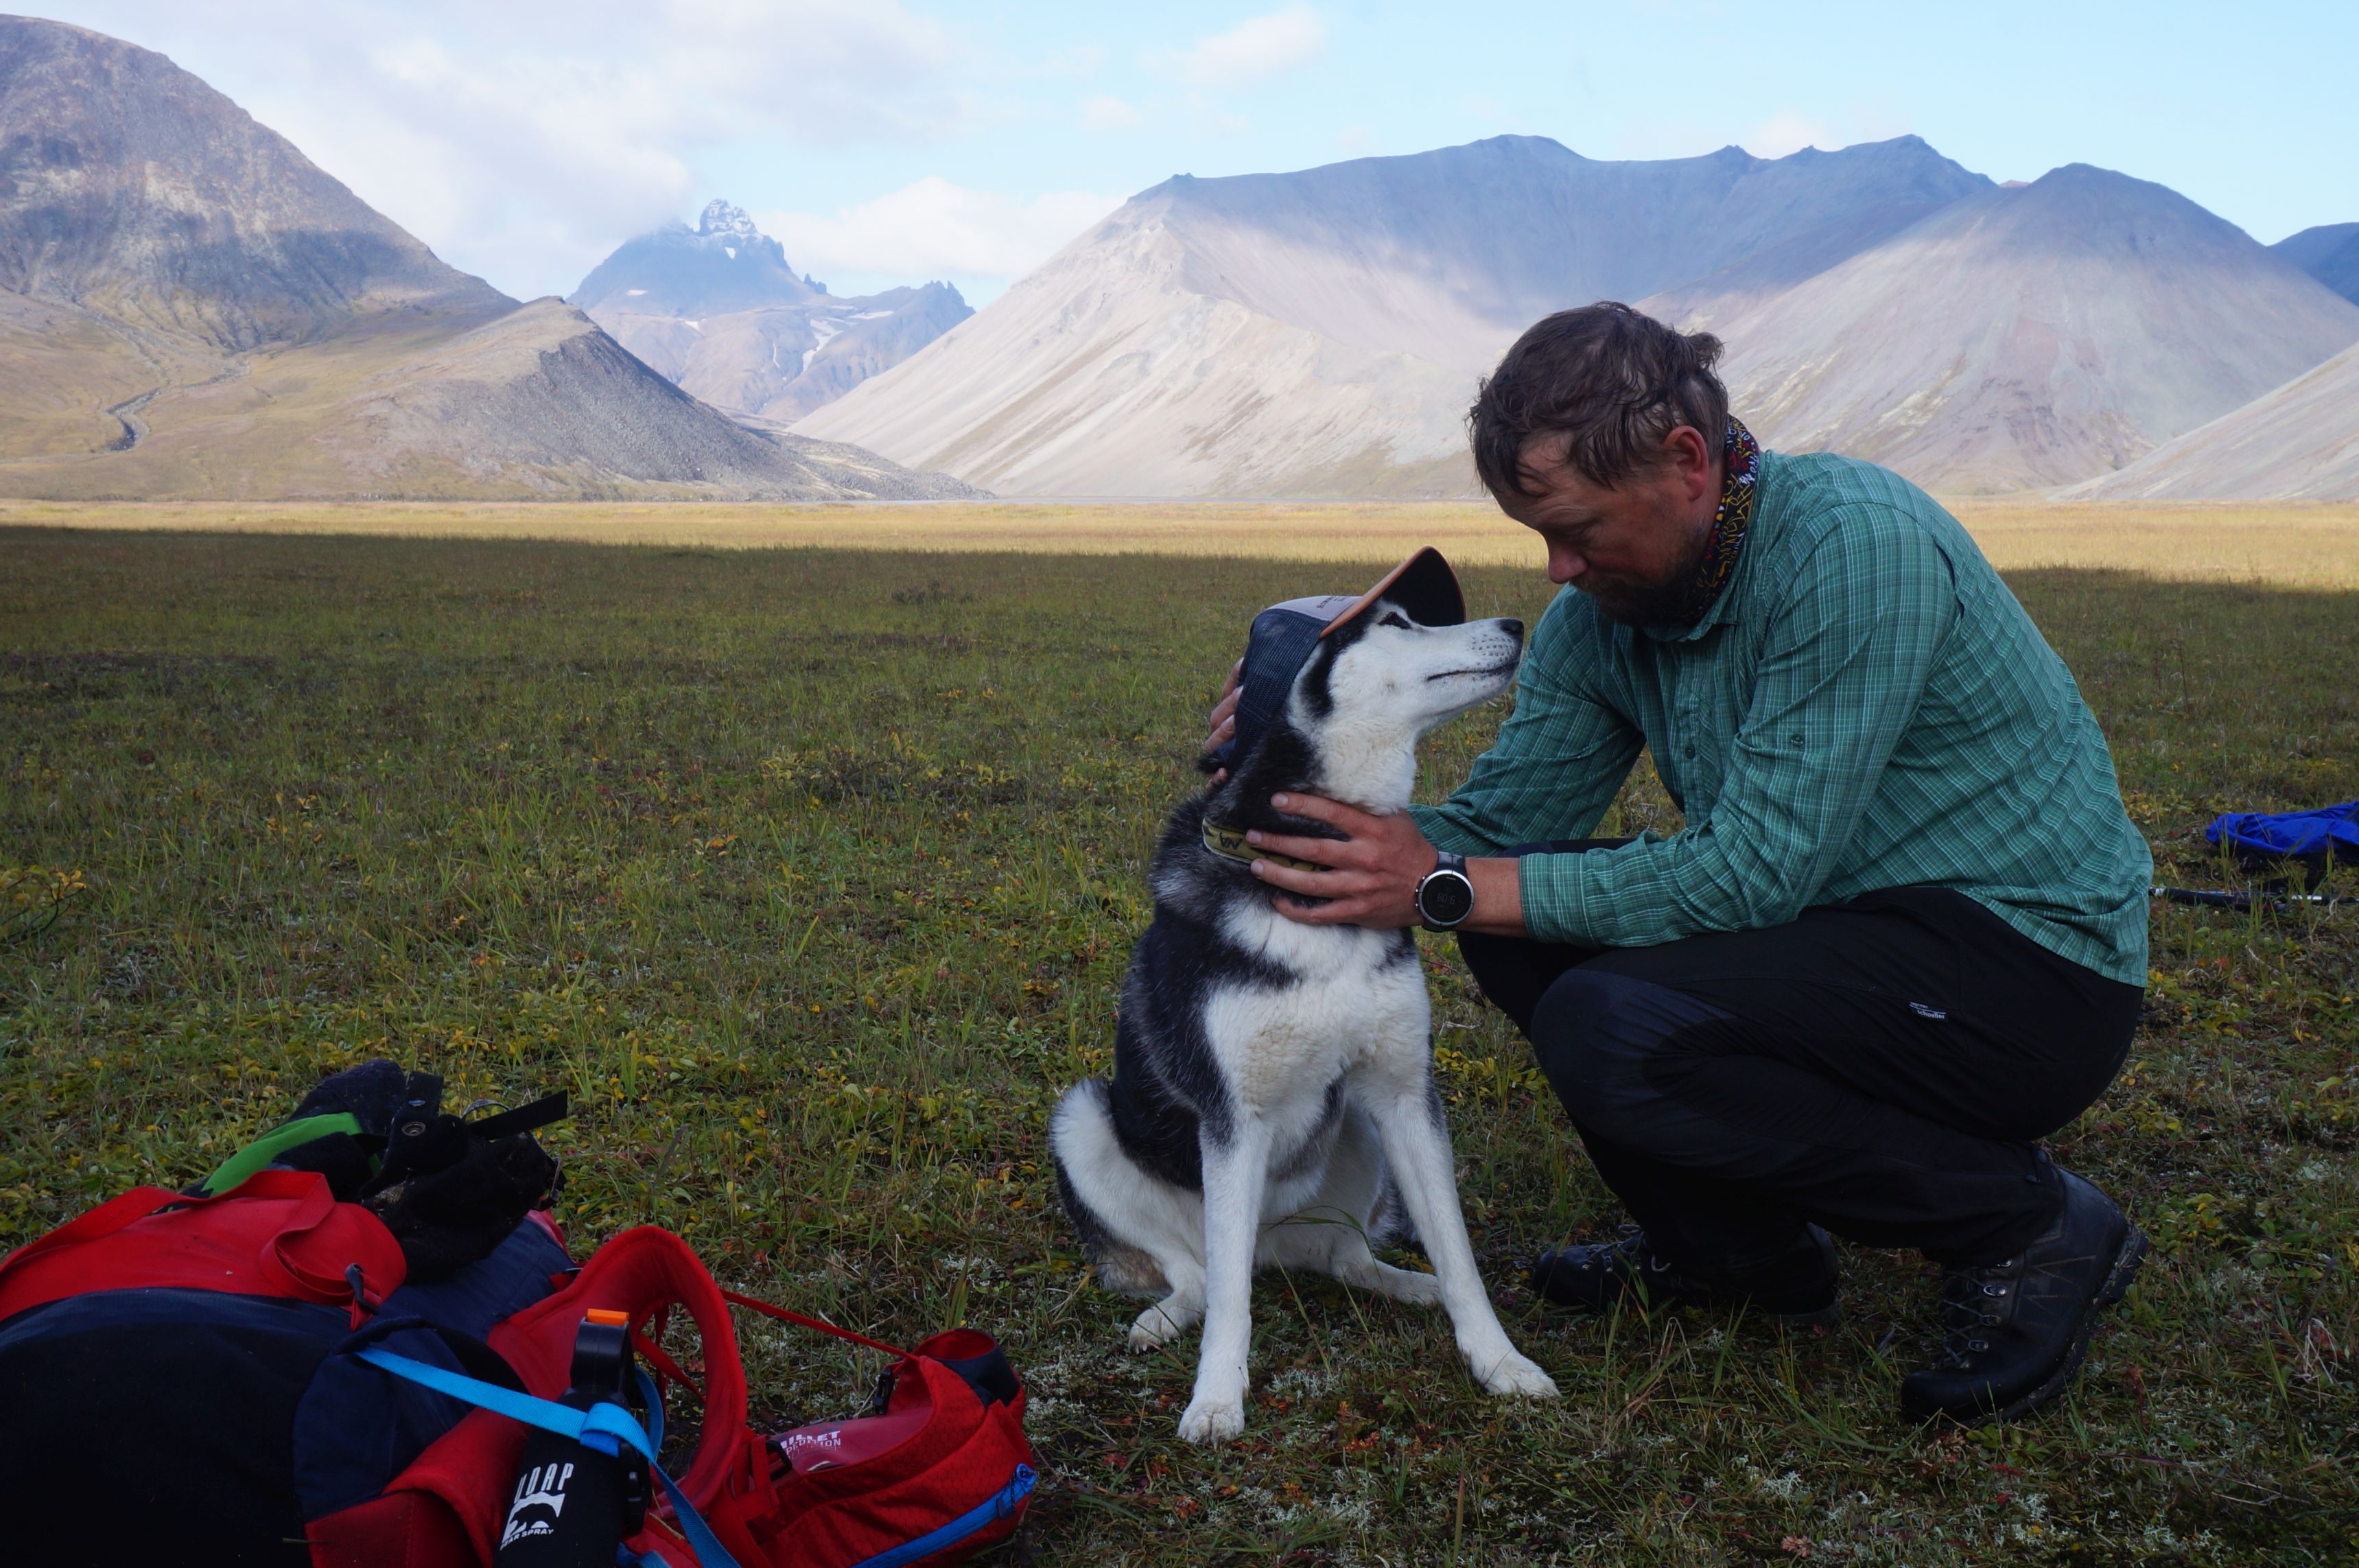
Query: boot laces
x=1637, y=1255
x=1971, y=1302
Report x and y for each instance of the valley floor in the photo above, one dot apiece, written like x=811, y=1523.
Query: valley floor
x=811, y=876
x=2297, y=544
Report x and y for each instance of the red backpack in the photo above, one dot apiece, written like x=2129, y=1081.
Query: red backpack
x=247, y=1377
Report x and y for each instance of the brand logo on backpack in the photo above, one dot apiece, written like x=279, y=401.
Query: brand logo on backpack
x=541, y=1487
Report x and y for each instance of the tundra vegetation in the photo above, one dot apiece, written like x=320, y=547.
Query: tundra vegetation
x=2303, y=544
x=812, y=874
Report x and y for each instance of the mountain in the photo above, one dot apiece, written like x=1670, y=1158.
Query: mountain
x=131, y=189
x=189, y=307
x=722, y=265
x=1322, y=332
x=2298, y=441
x=2329, y=253
x=2029, y=337
x=717, y=308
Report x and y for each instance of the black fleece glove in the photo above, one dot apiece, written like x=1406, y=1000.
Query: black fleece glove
x=449, y=1216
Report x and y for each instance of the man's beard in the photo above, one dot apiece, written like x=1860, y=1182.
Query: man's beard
x=1658, y=606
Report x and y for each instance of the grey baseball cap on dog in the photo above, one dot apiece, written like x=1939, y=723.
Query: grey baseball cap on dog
x=1284, y=635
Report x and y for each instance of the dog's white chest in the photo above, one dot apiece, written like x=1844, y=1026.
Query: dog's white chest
x=1349, y=1000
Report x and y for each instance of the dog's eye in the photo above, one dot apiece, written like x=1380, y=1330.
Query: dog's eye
x=1394, y=618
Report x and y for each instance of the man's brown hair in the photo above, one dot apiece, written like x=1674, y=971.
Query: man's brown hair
x=1612, y=381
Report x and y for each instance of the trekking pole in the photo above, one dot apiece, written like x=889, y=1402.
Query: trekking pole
x=2224, y=898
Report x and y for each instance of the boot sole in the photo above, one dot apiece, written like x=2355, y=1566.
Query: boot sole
x=2126, y=1263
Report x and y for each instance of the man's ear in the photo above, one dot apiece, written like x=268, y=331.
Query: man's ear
x=1692, y=457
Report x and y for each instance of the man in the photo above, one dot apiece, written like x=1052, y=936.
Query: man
x=1903, y=934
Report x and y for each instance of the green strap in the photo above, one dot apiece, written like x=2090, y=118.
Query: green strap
x=276, y=1142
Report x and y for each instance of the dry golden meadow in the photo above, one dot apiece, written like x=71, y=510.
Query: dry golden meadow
x=811, y=872
x=2310, y=545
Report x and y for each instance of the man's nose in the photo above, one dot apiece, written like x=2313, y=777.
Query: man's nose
x=1565, y=563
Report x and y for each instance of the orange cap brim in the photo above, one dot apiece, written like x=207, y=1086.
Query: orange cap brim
x=1436, y=586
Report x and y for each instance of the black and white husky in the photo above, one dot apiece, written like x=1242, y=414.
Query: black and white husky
x=1272, y=1101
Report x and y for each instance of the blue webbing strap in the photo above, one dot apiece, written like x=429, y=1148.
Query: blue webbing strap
x=998, y=1506
x=651, y=1396
x=604, y=1427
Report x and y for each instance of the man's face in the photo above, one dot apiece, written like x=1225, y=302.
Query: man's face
x=1633, y=548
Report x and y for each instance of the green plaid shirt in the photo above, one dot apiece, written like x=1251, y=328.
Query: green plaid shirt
x=1865, y=706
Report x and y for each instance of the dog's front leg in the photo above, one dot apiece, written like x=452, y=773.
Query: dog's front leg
x=1236, y=1170
x=1417, y=1147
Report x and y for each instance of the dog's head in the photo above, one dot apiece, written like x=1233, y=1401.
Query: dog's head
x=1378, y=682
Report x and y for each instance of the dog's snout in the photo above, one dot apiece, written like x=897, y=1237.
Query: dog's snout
x=1512, y=627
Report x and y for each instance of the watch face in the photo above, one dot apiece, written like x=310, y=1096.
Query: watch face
x=1445, y=898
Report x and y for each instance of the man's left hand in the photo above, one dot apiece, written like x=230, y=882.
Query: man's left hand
x=1376, y=865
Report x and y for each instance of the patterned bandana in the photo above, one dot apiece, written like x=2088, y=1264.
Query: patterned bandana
x=1741, y=465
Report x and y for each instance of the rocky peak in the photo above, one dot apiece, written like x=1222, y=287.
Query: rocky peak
x=722, y=219
x=726, y=262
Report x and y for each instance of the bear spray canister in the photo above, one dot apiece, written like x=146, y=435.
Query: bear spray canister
x=572, y=1505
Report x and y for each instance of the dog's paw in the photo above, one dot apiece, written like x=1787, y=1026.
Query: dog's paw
x=1209, y=1420
x=1156, y=1328
x=1411, y=1288
x=1517, y=1375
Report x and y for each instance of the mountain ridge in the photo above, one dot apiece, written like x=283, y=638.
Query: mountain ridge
x=2295, y=443
x=2329, y=253
x=131, y=188
x=189, y=307
x=2029, y=337
x=1221, y=336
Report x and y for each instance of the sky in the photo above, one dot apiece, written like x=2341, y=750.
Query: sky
x=895, y=141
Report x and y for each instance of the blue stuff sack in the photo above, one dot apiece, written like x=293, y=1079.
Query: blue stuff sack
x=2265, y=838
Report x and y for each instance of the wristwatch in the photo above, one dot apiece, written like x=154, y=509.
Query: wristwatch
x=1445, y=896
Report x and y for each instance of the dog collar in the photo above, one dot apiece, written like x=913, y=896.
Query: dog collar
x=1230, y=844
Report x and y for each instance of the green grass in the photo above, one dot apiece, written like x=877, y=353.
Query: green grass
x=811, y=876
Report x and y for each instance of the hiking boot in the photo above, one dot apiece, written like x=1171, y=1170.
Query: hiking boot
x=2015, y=1331
x=1797, y=1289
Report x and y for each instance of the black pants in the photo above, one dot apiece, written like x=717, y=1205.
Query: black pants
x=1880, y=1067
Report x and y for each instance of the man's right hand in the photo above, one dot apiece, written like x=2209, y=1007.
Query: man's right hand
x=1224, y=720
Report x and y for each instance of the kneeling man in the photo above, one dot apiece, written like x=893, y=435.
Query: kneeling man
x=1902, y=936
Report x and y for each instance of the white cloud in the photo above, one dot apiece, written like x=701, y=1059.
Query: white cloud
x=935, y=229
x=523, y=140
x=1106, y=112
x=1262, y=46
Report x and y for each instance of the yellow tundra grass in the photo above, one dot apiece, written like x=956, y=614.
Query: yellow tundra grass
x=2308, y=544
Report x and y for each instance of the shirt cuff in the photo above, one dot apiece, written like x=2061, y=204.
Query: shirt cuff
x=1558, y=891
